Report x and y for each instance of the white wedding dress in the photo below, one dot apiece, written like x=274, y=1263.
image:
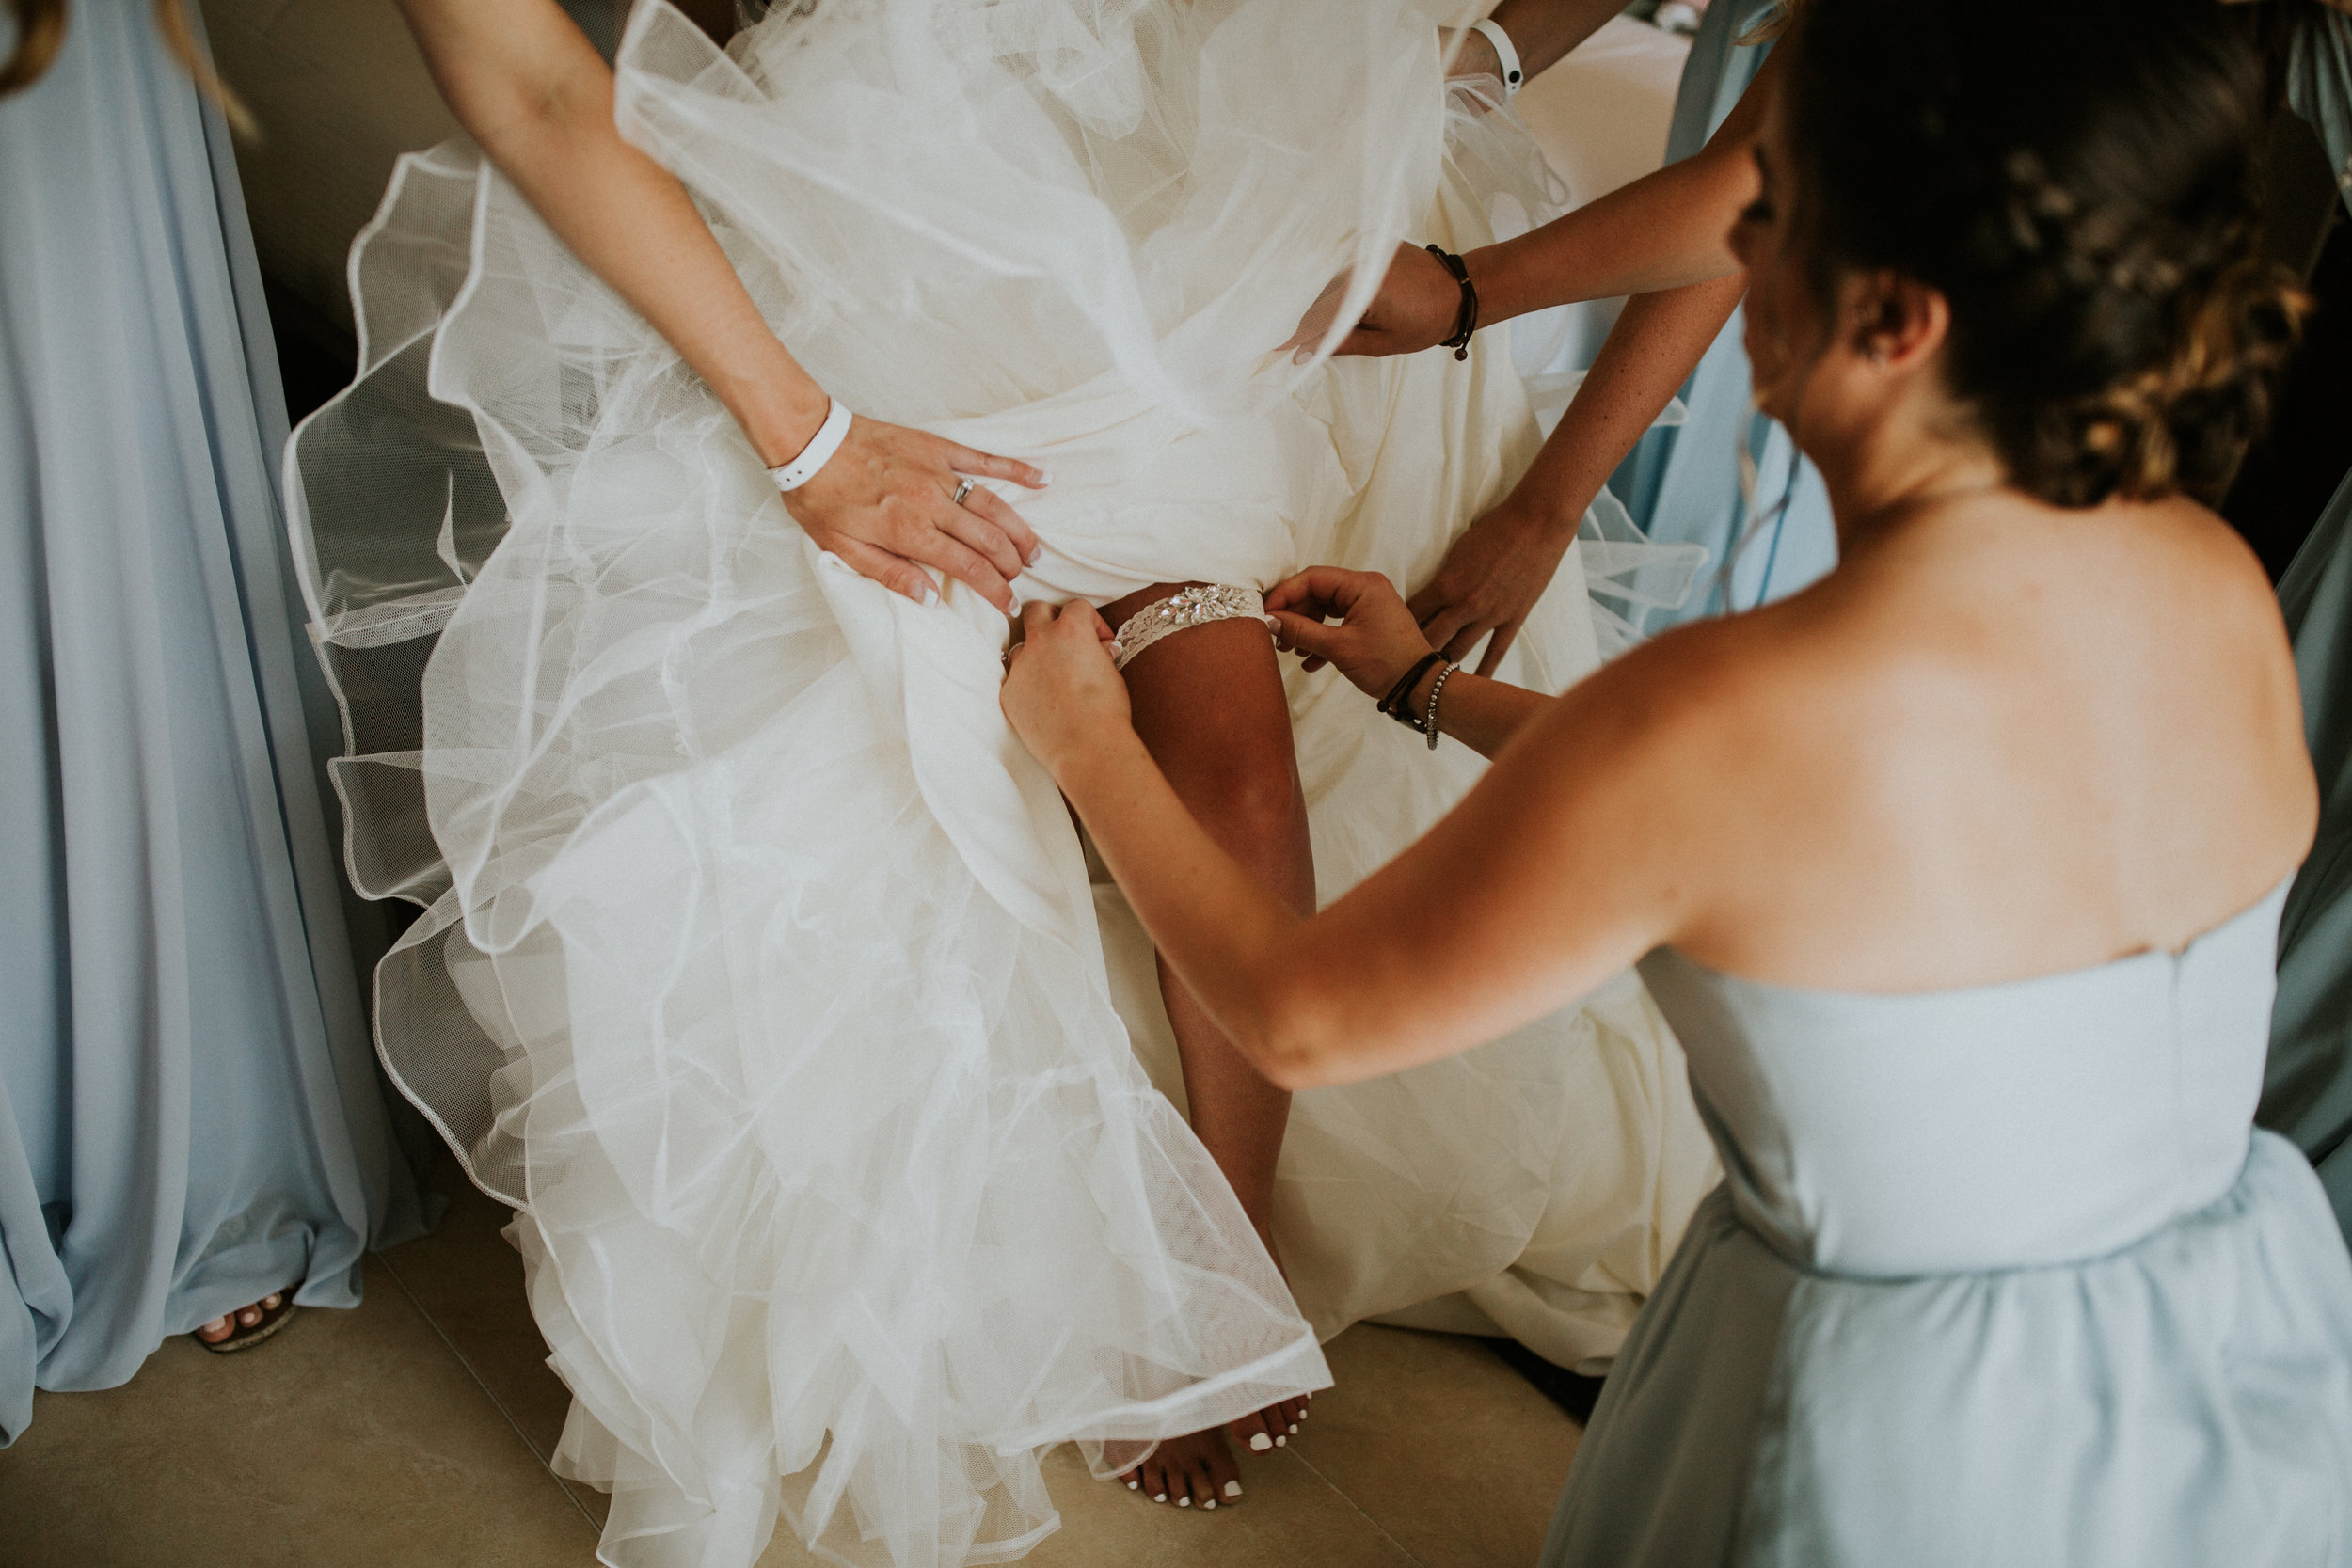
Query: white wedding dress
x=761, y=969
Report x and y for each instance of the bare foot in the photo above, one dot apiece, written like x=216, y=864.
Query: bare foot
x=220, y=1328
x=1278, y=1423
x=1271, y=1428
x=1197, y=1471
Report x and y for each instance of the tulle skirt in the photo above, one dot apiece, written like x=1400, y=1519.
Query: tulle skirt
x=761, y=969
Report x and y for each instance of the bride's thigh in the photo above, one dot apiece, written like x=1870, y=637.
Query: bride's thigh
x=1208, y=703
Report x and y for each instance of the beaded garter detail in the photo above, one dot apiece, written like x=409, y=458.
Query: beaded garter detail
x=1187, y=607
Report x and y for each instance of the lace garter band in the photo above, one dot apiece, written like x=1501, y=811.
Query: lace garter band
x=1185, y=608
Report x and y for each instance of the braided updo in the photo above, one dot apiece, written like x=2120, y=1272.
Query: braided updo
x=2081, y=181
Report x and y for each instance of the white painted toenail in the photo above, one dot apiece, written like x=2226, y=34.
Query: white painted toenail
x=1232, y=1489
x=1260, y=1442
x=1294, y=1429
x=1159, y=1497
x=1211, y=1503
x=1282, y=1442
x=1184, y=1503
x=1135, y=1486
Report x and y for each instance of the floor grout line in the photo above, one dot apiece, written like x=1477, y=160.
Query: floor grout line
x=1411, y=1556
x=496, y=1404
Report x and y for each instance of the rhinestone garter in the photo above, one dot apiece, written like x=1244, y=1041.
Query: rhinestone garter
x=1187, y=607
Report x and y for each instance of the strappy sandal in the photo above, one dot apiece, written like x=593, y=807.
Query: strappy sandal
x=241, y=1337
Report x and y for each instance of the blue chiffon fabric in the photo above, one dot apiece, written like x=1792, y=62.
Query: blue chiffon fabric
x=1683, y=482
x=1996, y=1276
x=189, y=1110
x=2307, y=1091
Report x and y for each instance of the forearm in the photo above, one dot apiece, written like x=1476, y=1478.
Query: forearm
x=1222, y=930
x=533, y=93
x=1658, y=340
x=1663, y=232
x=1481, y=713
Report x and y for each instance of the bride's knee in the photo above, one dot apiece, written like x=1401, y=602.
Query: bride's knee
x=1249, y=795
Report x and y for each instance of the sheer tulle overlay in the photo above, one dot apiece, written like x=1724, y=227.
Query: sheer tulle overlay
x=760, y=967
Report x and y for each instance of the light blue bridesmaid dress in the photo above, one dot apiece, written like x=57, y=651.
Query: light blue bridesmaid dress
x=189, y=1111
x=1681, y=485
x=2307, y=1093
x=1998, y=1275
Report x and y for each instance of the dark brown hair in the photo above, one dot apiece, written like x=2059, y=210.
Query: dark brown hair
x=2081, y=181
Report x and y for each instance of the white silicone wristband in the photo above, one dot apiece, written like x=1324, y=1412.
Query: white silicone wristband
x=818, y=452
x=1512, y=75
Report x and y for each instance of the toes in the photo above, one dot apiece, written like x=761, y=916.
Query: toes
x=214, y=1331
x=1255, y=1432
x=1223, y=1476
x=1202, y=1489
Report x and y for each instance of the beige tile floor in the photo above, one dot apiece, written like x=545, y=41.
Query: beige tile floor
x=413, y=1433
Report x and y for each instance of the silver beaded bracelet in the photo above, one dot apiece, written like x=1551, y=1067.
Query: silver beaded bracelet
x=1430, y=719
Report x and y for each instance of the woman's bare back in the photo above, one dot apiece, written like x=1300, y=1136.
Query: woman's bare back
x=2004, y=740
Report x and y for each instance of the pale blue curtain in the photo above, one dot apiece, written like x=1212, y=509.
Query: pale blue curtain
x=189, y=1111
x=1683, y=482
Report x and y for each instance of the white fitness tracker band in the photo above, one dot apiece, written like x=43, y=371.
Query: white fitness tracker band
x=1512, y=75
x=818, y=452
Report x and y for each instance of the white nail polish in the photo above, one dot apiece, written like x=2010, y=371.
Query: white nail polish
x=931, y=594
x=1159, y=1497
x=1282, y=1442
x=1036, y=555
x=1184, y=1503
x=1232, y=1489
x=1294, y=1429
x=1135, y=1486
x=1044, y=478
x=1211, y=1503
x=1260, y=1442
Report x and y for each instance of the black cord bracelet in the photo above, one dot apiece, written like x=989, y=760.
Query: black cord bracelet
x=1397, y=705
x=1465, y=318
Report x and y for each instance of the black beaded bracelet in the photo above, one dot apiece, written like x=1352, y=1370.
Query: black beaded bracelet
x=1465, y=318
x=1398, y=703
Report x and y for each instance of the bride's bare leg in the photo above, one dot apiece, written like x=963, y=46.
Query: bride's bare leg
x=1208, y=703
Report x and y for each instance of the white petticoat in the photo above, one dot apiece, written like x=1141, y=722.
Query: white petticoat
x=761, y=970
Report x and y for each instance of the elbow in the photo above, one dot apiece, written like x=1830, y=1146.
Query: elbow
x=539, y=111
x=1300, y=1038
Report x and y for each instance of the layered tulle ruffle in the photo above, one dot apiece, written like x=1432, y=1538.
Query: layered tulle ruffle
x=759, y=966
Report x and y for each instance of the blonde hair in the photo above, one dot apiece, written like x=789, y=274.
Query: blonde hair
x=1784, y=16
x=40, y=34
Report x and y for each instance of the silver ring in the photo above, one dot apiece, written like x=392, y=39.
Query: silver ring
x=963, y=488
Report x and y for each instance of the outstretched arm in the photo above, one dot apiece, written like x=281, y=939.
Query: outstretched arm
x=1571, y=859
x=1495, y=572
x=534, y=92
x=1663, y=232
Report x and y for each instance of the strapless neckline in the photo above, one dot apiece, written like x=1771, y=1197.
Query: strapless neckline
x=2170, y=955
